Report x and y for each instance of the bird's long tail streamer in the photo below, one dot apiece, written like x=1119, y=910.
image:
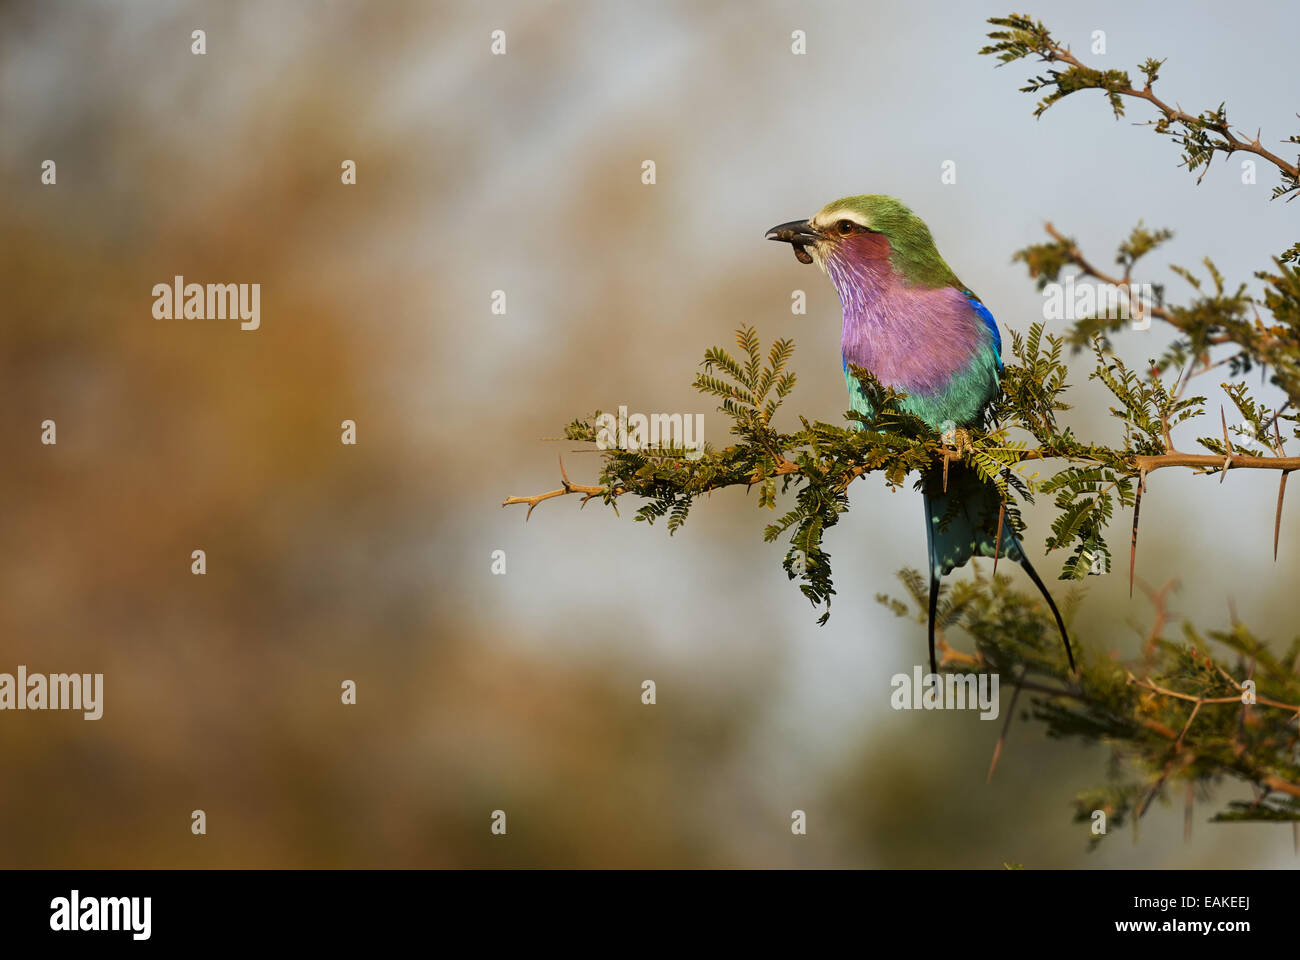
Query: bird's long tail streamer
x=961, y=523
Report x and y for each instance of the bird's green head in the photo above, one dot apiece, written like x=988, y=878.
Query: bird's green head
x=866, y=229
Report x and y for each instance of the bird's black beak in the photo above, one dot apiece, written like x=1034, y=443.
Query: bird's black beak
x=797, y=233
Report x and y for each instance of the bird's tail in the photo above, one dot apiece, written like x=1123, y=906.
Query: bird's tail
x=962, y=522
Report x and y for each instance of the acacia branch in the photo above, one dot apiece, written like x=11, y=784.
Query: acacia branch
x=1053, y=52
x=787, y=467
x=588, y=492
x=1184, y=749
x=1207, y=462
x=1026, y=37
x=1076, y=257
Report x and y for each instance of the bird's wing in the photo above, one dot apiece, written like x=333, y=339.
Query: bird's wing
x=984, y=314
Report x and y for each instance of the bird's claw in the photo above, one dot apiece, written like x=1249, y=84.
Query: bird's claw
x=960, y=443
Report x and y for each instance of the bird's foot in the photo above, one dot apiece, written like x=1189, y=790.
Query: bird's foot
x=955, y=444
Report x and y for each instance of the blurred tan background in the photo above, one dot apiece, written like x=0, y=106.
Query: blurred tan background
x=372, y=563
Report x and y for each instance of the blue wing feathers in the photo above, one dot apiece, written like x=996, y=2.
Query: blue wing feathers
x=984, y=314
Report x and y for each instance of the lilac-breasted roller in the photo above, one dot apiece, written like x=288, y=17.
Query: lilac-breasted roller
x=918, y=329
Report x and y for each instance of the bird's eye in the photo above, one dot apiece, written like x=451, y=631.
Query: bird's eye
x=845, y=227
